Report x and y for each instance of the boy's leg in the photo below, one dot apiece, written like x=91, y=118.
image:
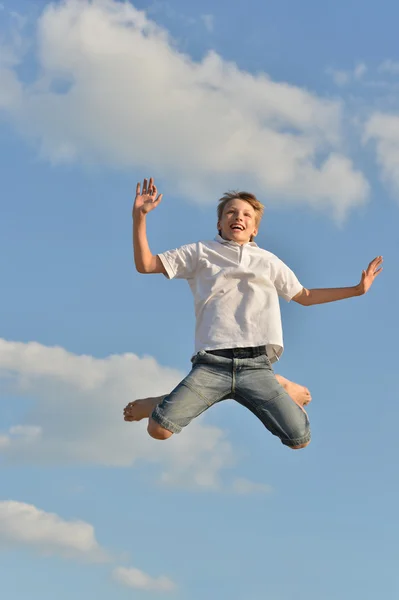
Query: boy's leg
x=258, y=390
x=196, y=393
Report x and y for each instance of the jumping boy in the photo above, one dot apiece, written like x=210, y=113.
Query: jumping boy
x=235, y=285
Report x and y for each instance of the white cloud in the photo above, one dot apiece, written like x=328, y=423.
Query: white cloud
x=359, y=71
x=19, y=19
x=389, y=66
x=77, y=416
x=28, y=432
x=4, y=441
x=10, y=87
x=164, y=8
x=22, y=433
x=133, y=99
x=13, y=47
x=343, y=77
x=383, y=130
x=137, y=579
x=25, y=525
x=339, y=77
x=208, y=21
x=244, y=486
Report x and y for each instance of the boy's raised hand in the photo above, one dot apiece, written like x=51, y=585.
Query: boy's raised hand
x=147, y=199
x=368, y=276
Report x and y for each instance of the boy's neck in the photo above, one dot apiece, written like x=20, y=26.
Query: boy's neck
x=239, y=243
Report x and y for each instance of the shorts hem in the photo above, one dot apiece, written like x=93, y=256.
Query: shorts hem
x=164, y=422
x=297, y=442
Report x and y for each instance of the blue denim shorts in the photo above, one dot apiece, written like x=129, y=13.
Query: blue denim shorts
x=249, y=381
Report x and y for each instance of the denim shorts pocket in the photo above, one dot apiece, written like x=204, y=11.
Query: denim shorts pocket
x=266, y=362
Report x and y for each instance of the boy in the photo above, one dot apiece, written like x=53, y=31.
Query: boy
x=236, y=286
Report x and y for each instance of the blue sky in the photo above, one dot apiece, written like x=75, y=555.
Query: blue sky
x=293, y=101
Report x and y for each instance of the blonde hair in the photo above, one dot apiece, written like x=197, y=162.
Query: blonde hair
x=247, y=197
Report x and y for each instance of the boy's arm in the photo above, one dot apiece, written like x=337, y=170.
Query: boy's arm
x=321, y=296
x=144, y=203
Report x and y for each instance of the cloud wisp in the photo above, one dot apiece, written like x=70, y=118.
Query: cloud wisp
x=136, y=579
x=25, y=525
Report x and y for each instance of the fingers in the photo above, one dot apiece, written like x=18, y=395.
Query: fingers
x=376, y=262
x=149, y=187
x=152, y=188
x=375, y=266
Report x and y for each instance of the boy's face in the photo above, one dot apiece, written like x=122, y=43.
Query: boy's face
x=238, y=221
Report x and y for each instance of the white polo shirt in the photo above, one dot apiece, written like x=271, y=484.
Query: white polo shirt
x=235, y=289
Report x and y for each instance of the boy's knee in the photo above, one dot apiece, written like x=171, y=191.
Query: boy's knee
x=158, y=432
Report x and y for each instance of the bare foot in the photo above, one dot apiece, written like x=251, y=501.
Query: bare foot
x=141, y=409
x=299, y=393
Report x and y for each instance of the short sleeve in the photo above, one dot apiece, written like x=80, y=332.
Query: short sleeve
x=180, y=263
x=285, y=281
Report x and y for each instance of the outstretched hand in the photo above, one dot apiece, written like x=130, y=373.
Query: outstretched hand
x=147, y=199
x=368, y=276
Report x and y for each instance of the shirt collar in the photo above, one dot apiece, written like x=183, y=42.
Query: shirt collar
x=221, y=240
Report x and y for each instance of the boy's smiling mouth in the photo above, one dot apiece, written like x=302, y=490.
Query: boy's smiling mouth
x=237, y=227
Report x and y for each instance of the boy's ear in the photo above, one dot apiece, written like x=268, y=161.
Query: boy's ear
x=218, y=226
